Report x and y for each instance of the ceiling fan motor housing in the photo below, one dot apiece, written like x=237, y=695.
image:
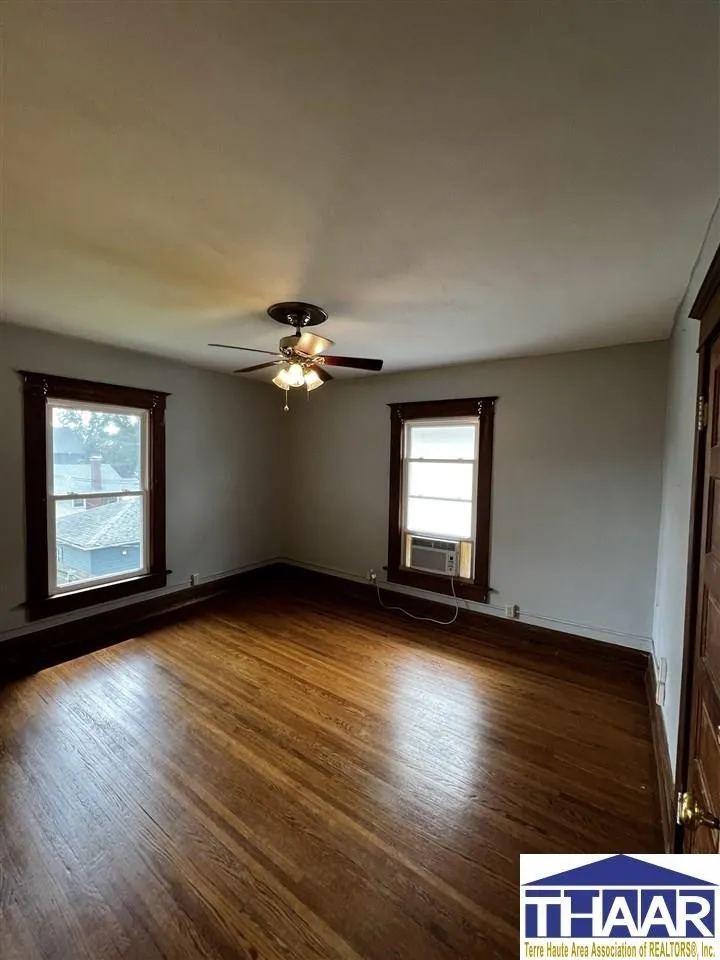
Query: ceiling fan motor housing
x=289, y=343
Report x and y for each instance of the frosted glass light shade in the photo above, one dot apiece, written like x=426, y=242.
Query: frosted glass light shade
x=291, y=376
x=312, y=380
x=295, y=374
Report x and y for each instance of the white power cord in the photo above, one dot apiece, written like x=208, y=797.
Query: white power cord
x=413, y=616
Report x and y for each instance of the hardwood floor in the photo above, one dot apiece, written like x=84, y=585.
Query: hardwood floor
x=307, y=778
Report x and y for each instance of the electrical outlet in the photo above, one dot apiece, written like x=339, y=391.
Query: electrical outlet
x=512, y=610
x=660, y=694
x=662, y=669
x=371, y=575
x=194, y=579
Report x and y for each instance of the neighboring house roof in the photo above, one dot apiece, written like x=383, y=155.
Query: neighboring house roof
x=112, y=525
x=77, y=478
x=66, y=440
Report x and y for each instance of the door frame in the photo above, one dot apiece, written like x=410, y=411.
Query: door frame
x=706, y=309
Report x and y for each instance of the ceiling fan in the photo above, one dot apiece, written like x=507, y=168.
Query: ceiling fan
x=301, y=356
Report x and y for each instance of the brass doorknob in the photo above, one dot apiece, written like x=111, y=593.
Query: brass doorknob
x=691, y=815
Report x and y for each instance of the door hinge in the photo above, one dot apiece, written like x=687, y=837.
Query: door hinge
x=702, y=413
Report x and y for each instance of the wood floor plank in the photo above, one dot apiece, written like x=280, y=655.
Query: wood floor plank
x=299, y=777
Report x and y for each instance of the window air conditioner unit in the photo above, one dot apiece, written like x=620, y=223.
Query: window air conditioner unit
x=433, y=556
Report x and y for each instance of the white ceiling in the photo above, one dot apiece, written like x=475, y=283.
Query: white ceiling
x=452, y=181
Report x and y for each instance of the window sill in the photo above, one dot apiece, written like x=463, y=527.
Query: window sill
x=437, y=584
x=90, y=596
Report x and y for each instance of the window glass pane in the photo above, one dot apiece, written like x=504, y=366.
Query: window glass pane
x=101, y=540
x=94, y=451
x=441, y=480
x=442, y=518
x=446, y=441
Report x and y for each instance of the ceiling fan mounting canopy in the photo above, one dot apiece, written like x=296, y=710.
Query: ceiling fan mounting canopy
x=295, y=313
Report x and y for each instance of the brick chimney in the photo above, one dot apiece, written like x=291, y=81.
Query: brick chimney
x=95, y=481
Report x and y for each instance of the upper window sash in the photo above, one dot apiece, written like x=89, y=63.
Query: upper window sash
x=143, y=479
x=409, y=425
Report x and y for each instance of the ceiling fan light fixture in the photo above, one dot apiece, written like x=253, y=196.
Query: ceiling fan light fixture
x=280, y=382
x=296, y=376
x=290, y=376
x=302, y=358
x=312, y=380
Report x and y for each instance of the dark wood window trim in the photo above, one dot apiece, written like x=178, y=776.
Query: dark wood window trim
x=400, y=413
x=38, y=389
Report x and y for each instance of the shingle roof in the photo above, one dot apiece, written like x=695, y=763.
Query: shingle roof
x=112, y=525
x=77, y=478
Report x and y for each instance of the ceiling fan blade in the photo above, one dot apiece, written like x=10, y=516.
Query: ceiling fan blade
x=229, y=346
x=323, y=374
x=357, y=363
x=311, y=345
x=258, y=366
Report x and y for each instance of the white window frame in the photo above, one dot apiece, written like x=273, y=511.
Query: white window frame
x=54, y=588
x=407, y=460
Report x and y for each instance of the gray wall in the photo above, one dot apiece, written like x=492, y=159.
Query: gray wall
x=222, y=458
x=668, y=626
x=577, y=473
x=576, y=485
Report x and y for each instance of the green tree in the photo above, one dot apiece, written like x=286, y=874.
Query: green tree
x=113, y=436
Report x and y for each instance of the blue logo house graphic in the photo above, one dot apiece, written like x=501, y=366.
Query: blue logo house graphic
x=619, y=897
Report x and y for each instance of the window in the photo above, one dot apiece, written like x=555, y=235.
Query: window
x=95, y=520
x=440, y=482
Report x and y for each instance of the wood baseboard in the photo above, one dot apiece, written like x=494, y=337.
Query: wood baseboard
x=661, y=754
x=58, y=643
x=505, y=629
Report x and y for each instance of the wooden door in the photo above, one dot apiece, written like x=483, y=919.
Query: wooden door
x=703, y=774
